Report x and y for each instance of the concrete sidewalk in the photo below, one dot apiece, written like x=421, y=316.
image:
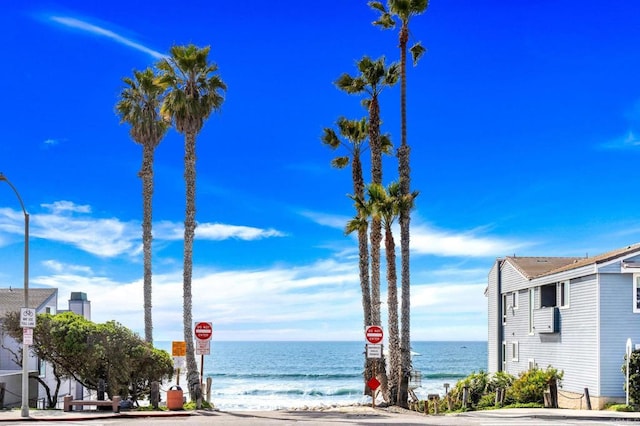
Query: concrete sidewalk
x=552, y=414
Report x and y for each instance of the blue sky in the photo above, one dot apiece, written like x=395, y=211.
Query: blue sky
x=524, y=122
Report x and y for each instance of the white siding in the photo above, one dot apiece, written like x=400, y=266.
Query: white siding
x=512, y=279
x=494, y=324
x=617, y=323
x=573, y=349
x=516, y=328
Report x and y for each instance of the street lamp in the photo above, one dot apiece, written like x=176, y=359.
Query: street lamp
x=25, y=347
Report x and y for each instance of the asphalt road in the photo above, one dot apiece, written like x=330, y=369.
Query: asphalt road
x=329, y=418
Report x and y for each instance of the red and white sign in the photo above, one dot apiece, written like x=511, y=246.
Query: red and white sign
x=203, y=347
x=203, y=331
x=373, y=334
x=27, y=336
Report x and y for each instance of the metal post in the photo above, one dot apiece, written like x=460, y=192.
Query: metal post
x=25, y=348
x=628, y=351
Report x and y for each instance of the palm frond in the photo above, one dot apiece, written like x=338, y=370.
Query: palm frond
x=386, y=146
x=377, y=5
x=417, y=50
x=356, y=224
x=330, y=138
x=340, y=162
x=385, y=21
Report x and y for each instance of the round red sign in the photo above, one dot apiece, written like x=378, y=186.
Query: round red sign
x=374, y=334
x=203, y=330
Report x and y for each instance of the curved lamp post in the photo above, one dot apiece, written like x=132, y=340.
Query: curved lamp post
x=25, y=347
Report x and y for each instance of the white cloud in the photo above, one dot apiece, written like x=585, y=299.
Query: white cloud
x=450, y=298
x=101, y=237
x=219, y=231
x=56, y=266
x=269, y=300
x=58, y=207
x=332, y=221
x=103, y=32
x=432, y=241
x=428, y=240
x=70, y=223
x=629, y=141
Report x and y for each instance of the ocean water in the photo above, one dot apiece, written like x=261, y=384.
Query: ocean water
x=275, y=375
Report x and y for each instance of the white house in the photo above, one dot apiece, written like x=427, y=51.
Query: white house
x=43, y=300
x=574, y=314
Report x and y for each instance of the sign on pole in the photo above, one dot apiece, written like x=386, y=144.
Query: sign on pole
x=374, y=351
x=373, y=334
x=203, y=331
x=178, y=348
x=27, y=318
x=203, y=347
x=179, y=362
x=27, y=336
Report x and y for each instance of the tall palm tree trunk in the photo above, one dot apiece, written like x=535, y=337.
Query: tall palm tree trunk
x=146, y=173
x=392, y=306
x=363, y=263
x=193, y=378
x=376, y=233
x=404, y=220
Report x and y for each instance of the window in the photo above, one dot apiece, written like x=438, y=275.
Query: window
x=531, y=364
x=504, y=356
x=42, y=367
x=532, y=305
x=548, y=296
x=514, y=351
x=504, y=309
x=514, y=299
x=563, y=291
x=636, y=293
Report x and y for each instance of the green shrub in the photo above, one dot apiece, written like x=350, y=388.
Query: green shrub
x=487, y=400
x=620, y=407
x=476, y=384
x=500, y=380
x=634, y=378
x=530, y=385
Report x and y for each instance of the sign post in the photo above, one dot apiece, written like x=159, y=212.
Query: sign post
x=628, y=350
x=178, y=352
x=203, y=332
x=374, y=335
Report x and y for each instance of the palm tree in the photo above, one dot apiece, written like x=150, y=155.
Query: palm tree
x=195, y=90
x=353, y=138
x=404, y=10
x=354, y=134
x=387, y=205
x=139, y=105
x=373, y=78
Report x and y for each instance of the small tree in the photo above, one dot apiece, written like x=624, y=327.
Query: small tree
x=634, y=377
x=88, y=353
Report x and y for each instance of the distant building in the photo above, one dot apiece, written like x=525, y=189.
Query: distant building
x=43, y=301
x=574, y=314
